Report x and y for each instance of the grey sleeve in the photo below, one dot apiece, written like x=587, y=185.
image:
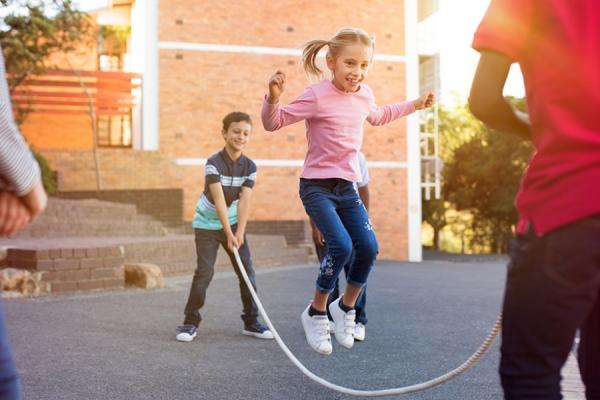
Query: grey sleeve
x=18, y=168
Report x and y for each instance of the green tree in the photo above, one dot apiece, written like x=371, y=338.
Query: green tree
x=483, y=178
x=434, y=214
x=35, y=30
x=455, y=126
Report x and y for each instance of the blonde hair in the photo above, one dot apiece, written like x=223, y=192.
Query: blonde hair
x=344, y=37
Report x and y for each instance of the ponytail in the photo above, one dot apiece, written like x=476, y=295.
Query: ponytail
x=309, y=57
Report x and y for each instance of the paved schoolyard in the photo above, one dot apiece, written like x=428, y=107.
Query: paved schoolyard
x=424, y=320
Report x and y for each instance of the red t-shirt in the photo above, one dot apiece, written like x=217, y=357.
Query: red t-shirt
x=557, y=45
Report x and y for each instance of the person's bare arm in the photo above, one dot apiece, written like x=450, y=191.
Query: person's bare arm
x=243, y=213
x=317, y=236
x=363, y=192
x=216, y=191
x=13, y=214
x=486, y=100
x=36, y=199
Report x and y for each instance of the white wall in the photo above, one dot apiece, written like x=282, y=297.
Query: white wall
x=144, y=59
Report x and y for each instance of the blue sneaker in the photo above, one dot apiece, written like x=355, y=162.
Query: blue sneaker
x=257, y=330
x=186, y=333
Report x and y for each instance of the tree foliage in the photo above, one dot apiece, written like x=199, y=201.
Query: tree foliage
x=481, y=176
x=33, y=31
x=484, y=178
x=455, y=126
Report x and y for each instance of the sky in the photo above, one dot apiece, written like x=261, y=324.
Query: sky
x=87, y=5
x=458, y=20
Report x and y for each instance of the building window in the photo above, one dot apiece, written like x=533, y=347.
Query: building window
x=107, y=62
x=114, y=131
x=112, y=46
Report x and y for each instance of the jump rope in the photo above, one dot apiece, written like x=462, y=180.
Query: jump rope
x=471, y=361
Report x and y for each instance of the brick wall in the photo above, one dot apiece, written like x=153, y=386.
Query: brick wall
x=119, y=168
x=247, y=22
x=73, y=269
x=295, y=232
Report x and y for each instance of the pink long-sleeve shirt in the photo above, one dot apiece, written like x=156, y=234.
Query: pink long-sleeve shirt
x=334, y=126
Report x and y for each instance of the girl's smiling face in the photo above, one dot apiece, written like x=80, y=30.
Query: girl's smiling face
x=350, y=66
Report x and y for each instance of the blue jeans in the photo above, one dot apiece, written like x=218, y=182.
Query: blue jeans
x=552, y=290
x=361, y=302
x=10, y=385
x=338, y=212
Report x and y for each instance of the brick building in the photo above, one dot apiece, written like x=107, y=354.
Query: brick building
x=197, y=61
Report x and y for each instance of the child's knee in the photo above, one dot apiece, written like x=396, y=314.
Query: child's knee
x=367, y=250
x=343, y=250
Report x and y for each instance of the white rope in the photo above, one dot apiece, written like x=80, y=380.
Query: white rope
x=370, y=393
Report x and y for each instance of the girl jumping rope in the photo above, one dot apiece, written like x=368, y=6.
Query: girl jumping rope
x=334, y=112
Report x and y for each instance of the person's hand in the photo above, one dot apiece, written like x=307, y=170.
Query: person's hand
x=425, y=101
x=232, y=241
x=276, y=86
x=36, y=200
x=239, y=236
x=14, y=215
x=318, y=237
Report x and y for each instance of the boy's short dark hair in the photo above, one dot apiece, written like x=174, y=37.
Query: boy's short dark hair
x=236, y=116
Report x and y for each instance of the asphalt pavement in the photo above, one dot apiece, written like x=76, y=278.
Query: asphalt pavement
x=424, y=319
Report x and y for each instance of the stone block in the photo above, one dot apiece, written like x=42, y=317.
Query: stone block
x=143, y=275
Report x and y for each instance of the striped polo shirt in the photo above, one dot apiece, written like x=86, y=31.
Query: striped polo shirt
x=232, y=175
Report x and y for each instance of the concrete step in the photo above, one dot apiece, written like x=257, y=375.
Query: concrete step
x=45, y=228
x=87, y=207
x=90, y=217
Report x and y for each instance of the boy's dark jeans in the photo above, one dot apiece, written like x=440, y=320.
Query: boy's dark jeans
x=207, y=244
x=361, y=302
x=552, y=289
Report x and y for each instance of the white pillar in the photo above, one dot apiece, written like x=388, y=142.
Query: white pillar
x=144, y=59
x=413, y=147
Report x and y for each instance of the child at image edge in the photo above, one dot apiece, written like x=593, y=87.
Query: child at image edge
x=334, y=112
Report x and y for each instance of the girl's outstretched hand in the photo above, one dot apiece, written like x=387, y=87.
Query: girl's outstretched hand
x=276, y=86
x=424, y=101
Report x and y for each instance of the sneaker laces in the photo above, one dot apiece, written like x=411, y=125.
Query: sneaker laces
x=185, y=329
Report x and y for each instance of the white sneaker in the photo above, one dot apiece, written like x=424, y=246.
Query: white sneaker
x=316, y=329
x=344, y=324
x=332, y=327
x=359, y=332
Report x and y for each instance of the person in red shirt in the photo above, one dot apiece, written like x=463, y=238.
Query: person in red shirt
x=553, y=280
